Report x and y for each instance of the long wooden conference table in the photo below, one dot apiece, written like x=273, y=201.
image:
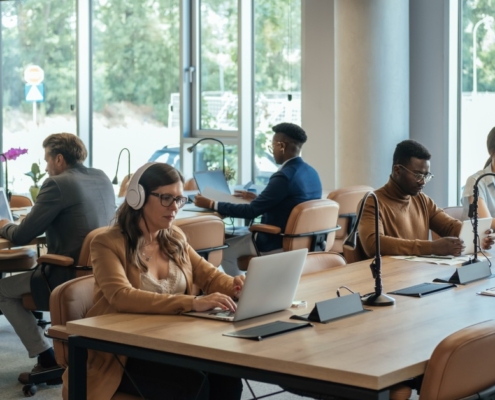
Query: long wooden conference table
x=357, y=357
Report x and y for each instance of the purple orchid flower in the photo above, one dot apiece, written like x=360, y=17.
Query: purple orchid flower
x=12, y=154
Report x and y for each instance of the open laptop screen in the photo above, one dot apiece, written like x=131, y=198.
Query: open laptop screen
x=4, y=206
x=214, y=179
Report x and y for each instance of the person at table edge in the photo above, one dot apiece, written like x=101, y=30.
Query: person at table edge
x=72, y=202
x=407, y=214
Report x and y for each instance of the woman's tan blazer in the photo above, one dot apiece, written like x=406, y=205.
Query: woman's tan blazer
x=117, y=289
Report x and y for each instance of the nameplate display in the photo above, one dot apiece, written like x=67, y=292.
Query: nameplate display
x=332, y=309
x=468, y=273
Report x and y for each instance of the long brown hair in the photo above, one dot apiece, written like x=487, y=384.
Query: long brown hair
x=172, y=241
x=490, y=145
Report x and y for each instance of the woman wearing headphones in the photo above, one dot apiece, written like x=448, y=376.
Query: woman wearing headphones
x=143, y=264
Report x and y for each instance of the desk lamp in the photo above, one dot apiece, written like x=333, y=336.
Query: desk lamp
x=377, y=298
x=473, y=214
x=191, y=148
x=115, y=180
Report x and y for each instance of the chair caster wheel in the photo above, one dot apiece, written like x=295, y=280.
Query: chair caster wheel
x=29, y=390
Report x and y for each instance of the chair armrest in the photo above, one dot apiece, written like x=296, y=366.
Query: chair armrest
x=274, y=230
x=58, y=332
x=55, y=259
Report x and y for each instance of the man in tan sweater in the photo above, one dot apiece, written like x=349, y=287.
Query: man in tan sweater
x=407, y=214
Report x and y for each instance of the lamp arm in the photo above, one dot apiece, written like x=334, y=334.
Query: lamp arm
x=128, y=161
x=218, y=141
x=115, y=180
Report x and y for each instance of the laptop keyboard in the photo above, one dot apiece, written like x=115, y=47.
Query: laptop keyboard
x=222, y=313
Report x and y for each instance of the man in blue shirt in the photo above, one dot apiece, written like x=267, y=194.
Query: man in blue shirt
x=295, y=182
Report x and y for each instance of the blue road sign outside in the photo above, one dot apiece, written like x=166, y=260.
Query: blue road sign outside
x=34, y=93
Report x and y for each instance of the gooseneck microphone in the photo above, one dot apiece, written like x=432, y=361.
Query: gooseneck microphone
x=473, y=214
x=377, y=298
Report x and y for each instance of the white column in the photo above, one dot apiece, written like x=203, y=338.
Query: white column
x=371, y=87
x=434, y=91
x=318, y=88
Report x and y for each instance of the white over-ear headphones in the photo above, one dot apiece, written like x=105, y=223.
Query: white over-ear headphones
x=135, y=195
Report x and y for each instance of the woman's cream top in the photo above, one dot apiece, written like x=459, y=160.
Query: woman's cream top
x=174, y=284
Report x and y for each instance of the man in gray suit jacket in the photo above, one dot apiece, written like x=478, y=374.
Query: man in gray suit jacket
x=72, y=202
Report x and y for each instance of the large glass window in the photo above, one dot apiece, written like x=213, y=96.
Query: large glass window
x=135, y=83
x=37, y=36
x=477, y=83
x=218, y=60
x=277, y=38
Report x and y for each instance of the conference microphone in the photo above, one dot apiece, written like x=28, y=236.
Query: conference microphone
x=471, y=211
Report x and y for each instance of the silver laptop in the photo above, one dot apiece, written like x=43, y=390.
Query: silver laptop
x=467, y=234
x=5, y=212
x=270, y=286
x=214, y=179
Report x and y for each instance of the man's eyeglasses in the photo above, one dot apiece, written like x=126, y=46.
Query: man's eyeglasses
x=419, y=177
x=166, y=199
x=270, y=147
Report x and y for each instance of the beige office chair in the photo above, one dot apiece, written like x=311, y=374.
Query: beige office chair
x=83, y=268
x=190, y=184
x=348, y=198
x=123, y=185
x=462, y=365
x=454, y=212
x=20, y=259
x=321, y=261
x=17, y=201
x=311, y=225
x=68, y=302
x=206, y=235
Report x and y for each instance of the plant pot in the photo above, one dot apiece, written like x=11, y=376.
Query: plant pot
x=34, y=192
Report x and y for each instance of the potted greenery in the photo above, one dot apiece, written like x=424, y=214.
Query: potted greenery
x=36, y=175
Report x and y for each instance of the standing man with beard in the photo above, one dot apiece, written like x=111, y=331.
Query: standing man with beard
x=407, y=214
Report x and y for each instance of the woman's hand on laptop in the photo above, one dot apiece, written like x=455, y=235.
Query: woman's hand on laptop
x=210, y=301
x=204, y=202
x=447, y=246
x=238, y=284
x=488, y=241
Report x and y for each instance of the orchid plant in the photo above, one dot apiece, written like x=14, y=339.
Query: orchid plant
x=11, y=154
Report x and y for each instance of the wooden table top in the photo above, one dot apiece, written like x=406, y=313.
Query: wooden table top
x=371, y=350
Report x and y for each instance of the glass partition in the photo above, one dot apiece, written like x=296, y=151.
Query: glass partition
x=39, y=79
x=477, y=84
x=135, y=83
x=277, y=38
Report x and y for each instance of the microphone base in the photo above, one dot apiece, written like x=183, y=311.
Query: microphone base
x=377, y=300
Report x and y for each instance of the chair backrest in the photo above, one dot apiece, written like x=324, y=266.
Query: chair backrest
x=20, y=201
x=322, y=260
x=454, y=212
x=123, y=185
x=348, y=198
x=68, y=302
x=311, y=216
x=190, y=184
x=204, y=232
x=356, y=255
x=462, y=364
x=85, y=254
